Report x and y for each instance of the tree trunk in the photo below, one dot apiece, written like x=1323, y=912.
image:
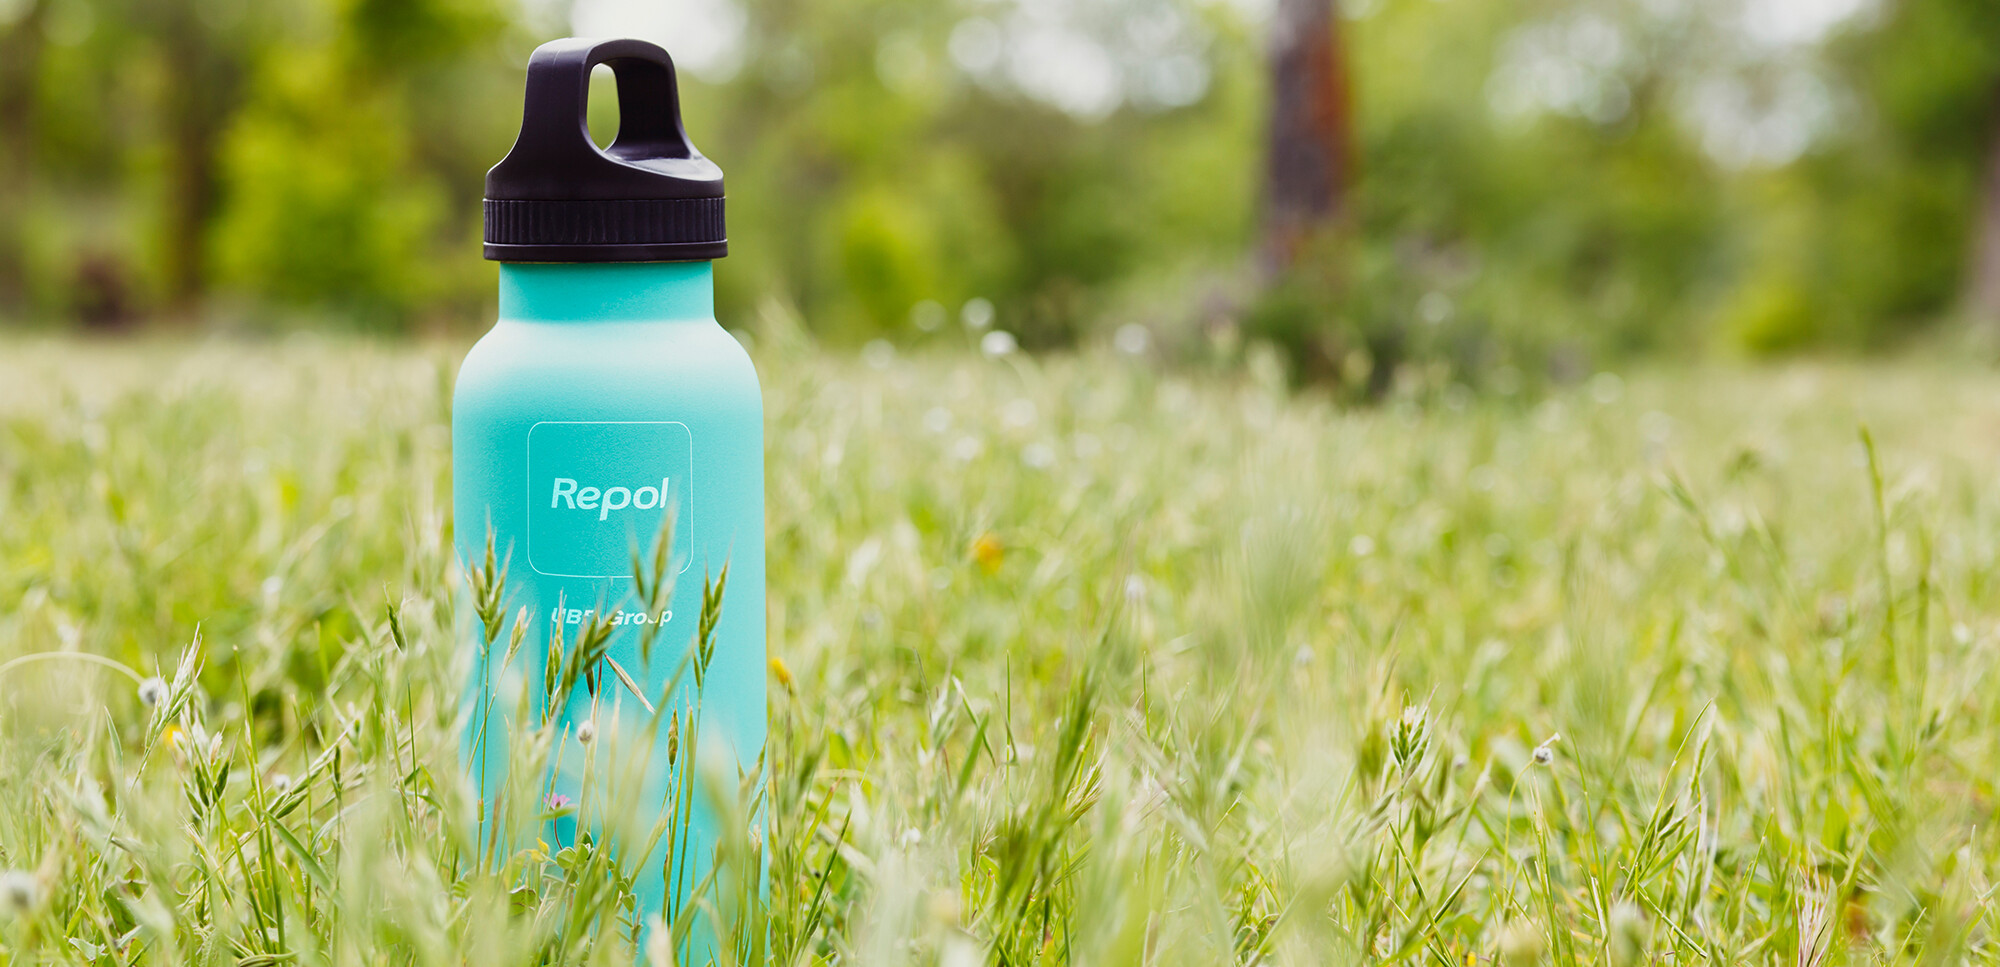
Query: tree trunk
x=20, y=63
x=203, y=92
x=1310, y=166
x=1983, y=281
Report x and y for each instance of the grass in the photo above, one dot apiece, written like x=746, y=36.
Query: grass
x=1074, y=663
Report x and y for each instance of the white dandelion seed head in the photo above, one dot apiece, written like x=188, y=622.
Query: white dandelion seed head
x=586, y=732
x=1132, y=339
x=927, y=315
x=153, y=691
x=977, y=314
x=1019, y=413
x=1546, y=752
x=18, y=891
x=998, y=343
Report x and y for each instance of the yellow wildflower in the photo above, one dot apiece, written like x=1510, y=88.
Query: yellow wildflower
x=988, y=552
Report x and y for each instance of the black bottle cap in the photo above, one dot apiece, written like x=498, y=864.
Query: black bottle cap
x=558, y=197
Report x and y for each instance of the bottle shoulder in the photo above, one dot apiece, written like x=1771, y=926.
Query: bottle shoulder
x=607, y=365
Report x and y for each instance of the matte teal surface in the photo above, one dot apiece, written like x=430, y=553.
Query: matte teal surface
x=601, y=378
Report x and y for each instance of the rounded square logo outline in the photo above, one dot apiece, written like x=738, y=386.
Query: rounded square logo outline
x=683, y=519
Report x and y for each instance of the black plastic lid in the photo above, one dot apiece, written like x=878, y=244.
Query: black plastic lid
x=558, y=197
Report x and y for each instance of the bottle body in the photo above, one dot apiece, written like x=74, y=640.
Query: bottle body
x=605, y=408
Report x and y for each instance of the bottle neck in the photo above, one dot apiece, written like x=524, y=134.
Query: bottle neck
x=607, y=291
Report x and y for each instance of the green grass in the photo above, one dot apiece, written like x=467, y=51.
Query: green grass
x=1080, y=663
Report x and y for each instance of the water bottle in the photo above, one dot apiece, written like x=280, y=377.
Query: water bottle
x=604, y=411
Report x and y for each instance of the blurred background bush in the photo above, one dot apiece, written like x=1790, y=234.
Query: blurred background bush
x=1373, y=186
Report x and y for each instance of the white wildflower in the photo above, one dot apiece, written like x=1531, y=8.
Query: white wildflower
x=18, y=892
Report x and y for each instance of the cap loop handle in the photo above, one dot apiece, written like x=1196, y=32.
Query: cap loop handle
x=649, y=109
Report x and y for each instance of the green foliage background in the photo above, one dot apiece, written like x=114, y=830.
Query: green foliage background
x=873, y=174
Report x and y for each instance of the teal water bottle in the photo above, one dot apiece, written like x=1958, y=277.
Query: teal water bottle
x=604, y=409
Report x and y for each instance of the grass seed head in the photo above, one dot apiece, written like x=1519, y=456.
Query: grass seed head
x=946, y=908
x=1521, y=944
x=659, y=943
x=1412, y=736
x=1630, y=934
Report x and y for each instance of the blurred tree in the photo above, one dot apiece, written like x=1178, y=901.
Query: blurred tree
x=1886, y=225
x=1310, y=161
x=21, y=43
x=353, y=164
x=1984, y=289
x=205, y=46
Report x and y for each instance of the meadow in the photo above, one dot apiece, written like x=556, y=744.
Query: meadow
x=1075, y=660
